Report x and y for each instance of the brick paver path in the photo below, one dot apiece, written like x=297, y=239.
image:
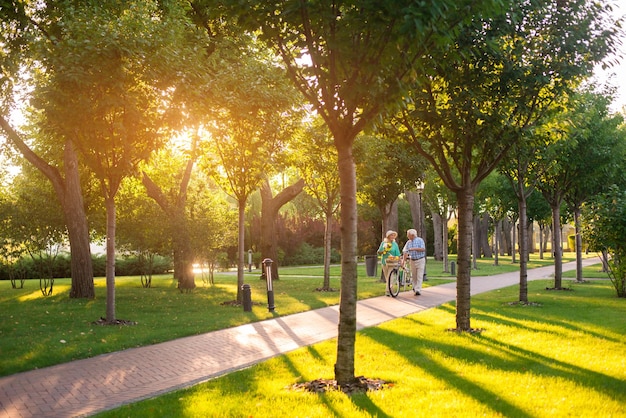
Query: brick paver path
x=85, y=387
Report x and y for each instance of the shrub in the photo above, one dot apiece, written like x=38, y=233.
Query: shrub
x=604, y=225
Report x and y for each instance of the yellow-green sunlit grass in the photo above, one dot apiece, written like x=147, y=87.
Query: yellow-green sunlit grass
x=561, y=356
x=38, y=331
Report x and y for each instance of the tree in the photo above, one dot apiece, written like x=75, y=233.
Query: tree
x=598, y=156
x=270, y=206
x=523, y=166
x=116, y=79
x=317, y=162
x=140, y=227
x=349, y=61
x=499, y=78
x=173, y=204
x=385, y=169
x=26, y=32
x=65, y=179
x=253, y=118
x=604, y=222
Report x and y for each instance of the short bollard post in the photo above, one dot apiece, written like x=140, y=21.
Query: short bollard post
x=452, y=268
x=268, y=279
x=247, y=298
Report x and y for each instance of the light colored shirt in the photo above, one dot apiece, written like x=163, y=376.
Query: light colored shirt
x=416, y=242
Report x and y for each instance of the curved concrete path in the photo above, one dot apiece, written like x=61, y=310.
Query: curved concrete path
x=85, y=387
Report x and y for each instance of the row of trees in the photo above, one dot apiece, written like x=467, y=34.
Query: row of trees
x=467, y=86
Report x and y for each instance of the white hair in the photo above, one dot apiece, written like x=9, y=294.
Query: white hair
x=411, y=232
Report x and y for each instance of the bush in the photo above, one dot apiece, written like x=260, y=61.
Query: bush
x=604, y=222
x=306, y=254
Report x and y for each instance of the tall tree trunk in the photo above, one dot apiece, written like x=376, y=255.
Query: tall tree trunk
x=541, y=239
x=70, y=196
x=327, y=248
x=507, y=234
x=344, y=366
x=437, y=237
x=174, y=209
x=481, y=236
x=270, y=206
x=496, y=242
x=414, y=204
x=514, y=242
x=182, y=250
x=77, y=228
x=523, y=248
x=531, y=238
x=557, y=245
x=390, y=218
x=109, y=202
x=241, y=208
x=445, y=243
x=465, y=199
x=579, y=245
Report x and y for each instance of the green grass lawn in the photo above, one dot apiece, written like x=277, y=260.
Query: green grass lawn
x=561, y=356
x=38, y=331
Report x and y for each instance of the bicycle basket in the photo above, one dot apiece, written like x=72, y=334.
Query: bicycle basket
x=392, y=261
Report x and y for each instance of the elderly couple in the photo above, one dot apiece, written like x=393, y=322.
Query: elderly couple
x=414, y=250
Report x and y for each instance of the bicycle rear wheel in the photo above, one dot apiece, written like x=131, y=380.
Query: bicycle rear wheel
x=394, y=283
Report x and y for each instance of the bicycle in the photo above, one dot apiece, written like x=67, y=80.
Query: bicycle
x=399, y=276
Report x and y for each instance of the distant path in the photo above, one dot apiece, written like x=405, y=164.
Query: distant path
x=85, y=387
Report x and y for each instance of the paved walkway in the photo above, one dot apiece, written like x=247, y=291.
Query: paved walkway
x=85, y=387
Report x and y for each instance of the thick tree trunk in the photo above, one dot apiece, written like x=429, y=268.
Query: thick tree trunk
x=77, y=228
x=182, y=250
x=506, y=237
x=70, y=196
x=465, y=199
x=481, y=236
x=270, y=206
x=389, y=215
x=174, y=209
x=344, y=366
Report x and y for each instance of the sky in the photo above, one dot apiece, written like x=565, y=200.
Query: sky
x=618, y=72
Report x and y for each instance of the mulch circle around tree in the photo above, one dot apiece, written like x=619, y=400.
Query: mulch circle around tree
x=469, y=331
x=103, y=321
x=321, y=289
x=361, y=384
x=524, y=303
x=235, y=303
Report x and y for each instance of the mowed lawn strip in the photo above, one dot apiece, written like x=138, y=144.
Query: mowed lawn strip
x=38, y=331
x=560, y=356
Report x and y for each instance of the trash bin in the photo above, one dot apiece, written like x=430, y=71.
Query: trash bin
x=371, y=265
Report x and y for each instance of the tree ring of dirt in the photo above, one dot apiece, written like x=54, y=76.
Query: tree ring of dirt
x=361, y=384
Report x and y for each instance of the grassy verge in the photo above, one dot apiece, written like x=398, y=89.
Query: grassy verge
x=37, y=331
x=562, y=356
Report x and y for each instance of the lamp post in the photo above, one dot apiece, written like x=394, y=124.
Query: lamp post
x=267, y=263
x=419, y=185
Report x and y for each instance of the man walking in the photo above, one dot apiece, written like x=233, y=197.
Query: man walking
x=415, y=251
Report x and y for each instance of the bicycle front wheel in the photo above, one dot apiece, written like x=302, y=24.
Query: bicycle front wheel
x=394, y=283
